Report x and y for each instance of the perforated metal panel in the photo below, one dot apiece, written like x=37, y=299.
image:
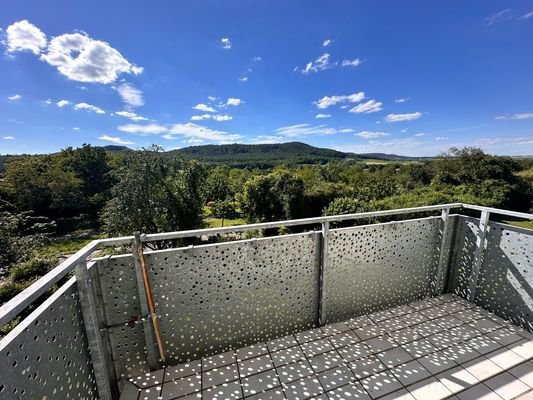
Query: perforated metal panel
x=216, y=297
x=467, y=231
x=379, y=266
x=46, y=356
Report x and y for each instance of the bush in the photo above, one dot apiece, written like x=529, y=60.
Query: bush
x=30, y=269
x=10, y=289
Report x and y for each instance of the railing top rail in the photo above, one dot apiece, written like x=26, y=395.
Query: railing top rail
x=14, y=306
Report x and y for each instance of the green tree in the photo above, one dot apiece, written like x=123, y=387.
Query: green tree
x=275, y=196
x=153, y=194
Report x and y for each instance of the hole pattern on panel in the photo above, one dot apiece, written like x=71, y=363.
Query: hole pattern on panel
x=218, y=297
x=49, y=359
x=121, y=301
x=505, y=284
x=374, y=267
x=464, y=250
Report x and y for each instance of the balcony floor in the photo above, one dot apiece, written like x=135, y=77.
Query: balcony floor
x=433, y=349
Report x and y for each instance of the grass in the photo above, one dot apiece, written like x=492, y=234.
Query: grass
x=60, y=247
x=217, y=222
x=521, y=223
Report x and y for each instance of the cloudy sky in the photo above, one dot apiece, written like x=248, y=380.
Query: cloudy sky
x=405, y=77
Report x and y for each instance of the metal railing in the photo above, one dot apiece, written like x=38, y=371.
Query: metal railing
x=88, y=298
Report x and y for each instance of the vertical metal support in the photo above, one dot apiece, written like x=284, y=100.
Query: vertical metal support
x=105, y=387
x=151, y=350
x=478, y=255
x=323, y=268
x=443, y=260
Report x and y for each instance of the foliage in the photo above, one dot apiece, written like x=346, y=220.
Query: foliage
x=275, y=196
x=154, y=195
x=28, y=269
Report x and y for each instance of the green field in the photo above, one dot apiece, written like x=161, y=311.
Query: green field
x=217, y=223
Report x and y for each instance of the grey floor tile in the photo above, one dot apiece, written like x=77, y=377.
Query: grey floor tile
x=505, y=358
x=255, y=365
x=401, y=394
x=507, y=386
x=310, y=335
x=366, y=367
x=343, y=339
x=483, y=344
x=410, y=372
x=272, y=394
x=369, y=331
x=429, y=389
x=336, y=328
x=419, y=348
x=381, y=384
x=181, y=387
x=335, y=377
x=380, y=343
x=316, y=347
x=401, y=310
x=354, y=390
x=282, y=343
x=437, y=362
x=433, y=312
x=292, y=372
x=218, y=376
x=218, y=360
x=482, y=368
x=287, y=356
x=182, y=370
x=226, y=391
x=148, y=379
x=457, y=379
x=448, y=322
x=405, y=335
x=505, y=336
x=355, y=351
x=379, y=316
x=413, y=319
x=254, y=350
x=150, y=393
x=443, y=340
x=461, y=353
x=393, y=324
x=478, y=392
x=259, y=383
x=303, y=389
x=485, y=325
x=465, y=332
x=326, y=361
x=524, y=372
x=394, y=357
x=524, y=348
x=359, y=322
x=427, y=328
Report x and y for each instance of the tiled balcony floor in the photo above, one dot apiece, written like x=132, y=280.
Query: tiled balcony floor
x=437, y=348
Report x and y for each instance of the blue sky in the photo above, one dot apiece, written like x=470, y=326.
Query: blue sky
x=412, y=78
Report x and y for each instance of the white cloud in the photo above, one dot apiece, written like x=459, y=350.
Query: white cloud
x=216, y=117
x=320, y=64
x=233, y=102
x=204, y=107
x=351, y=63
x=319, y=116
x=328, y=101
x=89, y=107
x=130, y=95
x=502, y=15
x=81, y=58
x=24, y=36
x=131, y=115
x=441, y=138
x=268, y=139
x=257, y=59
x=402, y=100
x=307, y=130
x=526, y=16
x=403, y=130
x=368, y=107
x=371, y=135
x=115, y=140
x=150, y=129
x=420, y=134
x=63, y=103
x=243, y=79
x=226, y=43
x=15, y=97
x=188, y=130
x=8, y=137
x=327, y=42
x=75, y=128
x=516, y=116
x=403, y=117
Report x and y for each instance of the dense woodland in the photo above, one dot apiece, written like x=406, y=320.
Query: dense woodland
x=119, y=192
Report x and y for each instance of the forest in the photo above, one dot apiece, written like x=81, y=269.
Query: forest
x=51, y=205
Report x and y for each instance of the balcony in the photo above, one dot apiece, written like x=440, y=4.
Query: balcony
x=424, y=303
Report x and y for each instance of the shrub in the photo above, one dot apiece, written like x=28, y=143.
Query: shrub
x=30, y=269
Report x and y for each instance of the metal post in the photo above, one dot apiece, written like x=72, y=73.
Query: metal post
x=153, y=363
x=105, y=387
x=323, y=269
x=478, y=255
x=442, y=252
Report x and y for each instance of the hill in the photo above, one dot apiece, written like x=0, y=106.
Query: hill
x=261, y=155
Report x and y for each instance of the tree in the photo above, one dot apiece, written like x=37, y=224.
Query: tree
x=153, y=194
x=346, y=205
x=275, y=196
x=217, y=185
